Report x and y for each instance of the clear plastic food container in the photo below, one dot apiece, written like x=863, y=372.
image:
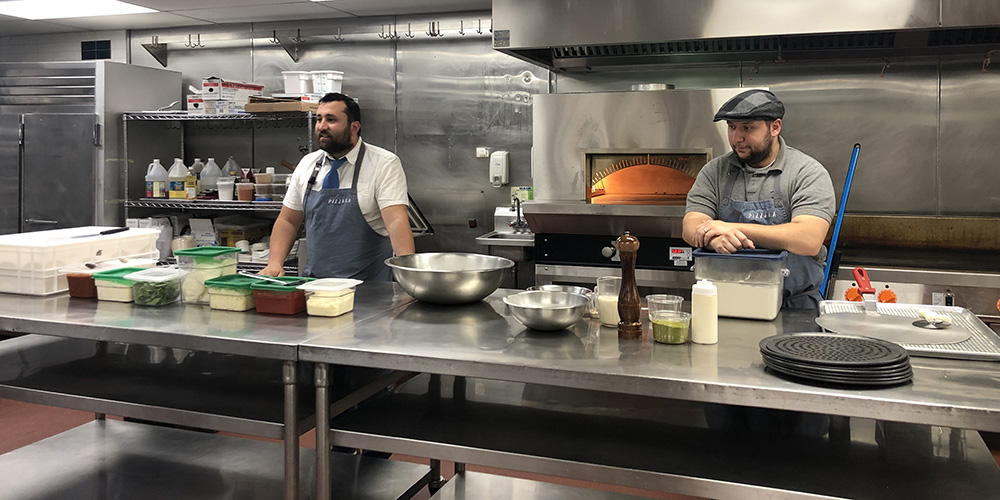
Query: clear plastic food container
x=113, y=285
x=749, y=281
x=231, y=292
x=80, y=279
x=204, y=263
x=275, y=298
x=330, y=297
x=158, y=286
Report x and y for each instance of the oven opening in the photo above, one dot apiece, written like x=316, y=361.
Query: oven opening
x=642, y=178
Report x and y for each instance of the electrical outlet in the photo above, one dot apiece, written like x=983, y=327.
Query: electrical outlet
x=482, y=152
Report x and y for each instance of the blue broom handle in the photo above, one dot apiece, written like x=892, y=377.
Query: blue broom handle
x=839, y=218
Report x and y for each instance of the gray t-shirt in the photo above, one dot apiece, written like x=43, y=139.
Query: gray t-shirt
x=805, y=184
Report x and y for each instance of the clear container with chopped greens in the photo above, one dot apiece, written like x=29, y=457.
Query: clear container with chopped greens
x=204, y=263
x=231, y=292
x=158, y=286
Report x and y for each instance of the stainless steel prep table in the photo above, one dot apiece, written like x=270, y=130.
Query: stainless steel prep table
x=268, y=343
x=482, y=340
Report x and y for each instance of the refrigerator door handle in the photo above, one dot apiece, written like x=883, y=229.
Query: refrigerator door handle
x=40, y=221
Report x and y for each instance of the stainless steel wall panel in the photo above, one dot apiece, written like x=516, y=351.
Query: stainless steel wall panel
x=959, y=13
x=967, y=163
x=367, y=63
x=566, y=124
x=229, y=60
x=830, y=107
x=534, y=24
x=456, y=94
x=10, y=173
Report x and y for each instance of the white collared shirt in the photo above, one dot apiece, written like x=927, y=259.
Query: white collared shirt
x=381, y=182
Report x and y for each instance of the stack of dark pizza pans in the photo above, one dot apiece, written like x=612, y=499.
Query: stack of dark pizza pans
x=837, y=359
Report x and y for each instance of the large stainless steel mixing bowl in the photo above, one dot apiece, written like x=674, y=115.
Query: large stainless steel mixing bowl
x=547, y=310
x=449, y=278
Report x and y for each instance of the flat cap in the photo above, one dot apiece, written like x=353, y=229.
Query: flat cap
x=753, y=104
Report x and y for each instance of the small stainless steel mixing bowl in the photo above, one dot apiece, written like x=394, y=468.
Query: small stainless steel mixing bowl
x=449, y=278
x=547, y=310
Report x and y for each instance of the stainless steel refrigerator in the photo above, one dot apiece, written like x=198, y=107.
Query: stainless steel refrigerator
x=61, y=155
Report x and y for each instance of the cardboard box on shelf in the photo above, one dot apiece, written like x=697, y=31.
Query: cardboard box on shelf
x=235, y=228
x=203, y=232
x=280, y=106
x=198, y=105
x=216, y=88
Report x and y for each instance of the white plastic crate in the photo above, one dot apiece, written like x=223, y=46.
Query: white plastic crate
x=30, y=263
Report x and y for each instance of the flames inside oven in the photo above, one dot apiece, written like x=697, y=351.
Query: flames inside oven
x=642, y=178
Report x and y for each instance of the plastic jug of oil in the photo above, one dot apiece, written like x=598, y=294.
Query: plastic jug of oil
x=191, y=184
x=156, y=180
x=176, y=177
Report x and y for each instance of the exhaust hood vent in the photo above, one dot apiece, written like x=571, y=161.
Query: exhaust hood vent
x=959, y=37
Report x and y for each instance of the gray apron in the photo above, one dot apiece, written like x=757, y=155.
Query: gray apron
x=339, y=241
x=801, y=290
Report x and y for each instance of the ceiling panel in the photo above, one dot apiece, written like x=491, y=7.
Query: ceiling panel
x=131, y=21
x=179, y=13
x=390, y=7
x=259, y=13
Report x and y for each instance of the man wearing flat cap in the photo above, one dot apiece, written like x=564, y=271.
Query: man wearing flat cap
x=764, y=194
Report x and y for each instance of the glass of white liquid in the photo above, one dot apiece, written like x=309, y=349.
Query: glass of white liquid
x=608, y=288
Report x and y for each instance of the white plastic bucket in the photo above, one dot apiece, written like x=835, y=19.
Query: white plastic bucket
x=297, y=82
x=327, y=81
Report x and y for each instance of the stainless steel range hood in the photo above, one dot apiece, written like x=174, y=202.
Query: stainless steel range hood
x=584, y=34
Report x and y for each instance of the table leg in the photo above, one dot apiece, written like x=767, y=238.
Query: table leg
x=288, y=376
x=322, y=431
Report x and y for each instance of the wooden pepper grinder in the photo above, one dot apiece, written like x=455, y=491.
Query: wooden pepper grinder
x=629, y=326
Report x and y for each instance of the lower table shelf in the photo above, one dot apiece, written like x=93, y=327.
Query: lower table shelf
x=110, y=459
x=468, y=485
x=571, y=437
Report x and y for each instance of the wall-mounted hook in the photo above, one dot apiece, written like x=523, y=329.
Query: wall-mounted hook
x=409, y=34
x=274, y=37
x=986, y=60
x=461, y=28
x=755, y=69
x=885, y=64
x=480, y=28
x=382, y=34
x=338, y=37
x=194, y=45
x=395, y=35
x=434, y=29
x=491, y=25
x=157, y=50
x=298, y=37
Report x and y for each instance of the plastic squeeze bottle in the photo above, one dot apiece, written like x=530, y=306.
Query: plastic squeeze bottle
x=704, y=313
x=176, y=177
x=156, y=180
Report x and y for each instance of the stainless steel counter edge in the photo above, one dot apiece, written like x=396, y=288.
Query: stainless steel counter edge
x=482, y=340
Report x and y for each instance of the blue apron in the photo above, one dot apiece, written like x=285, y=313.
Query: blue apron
x=339, y=241
x=801, y=290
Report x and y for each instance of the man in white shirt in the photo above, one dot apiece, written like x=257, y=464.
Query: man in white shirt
x=355, y=214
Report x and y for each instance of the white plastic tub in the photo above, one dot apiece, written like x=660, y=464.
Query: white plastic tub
x=324, y=81
x=297, y=82
x=330, y=297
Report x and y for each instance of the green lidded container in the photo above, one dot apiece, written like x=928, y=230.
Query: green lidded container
x=112, y=285
x=231, y=292
x=275, y=298
x=202, y=264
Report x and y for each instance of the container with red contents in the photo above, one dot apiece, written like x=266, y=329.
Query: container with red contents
x=280, y=298
x=81, y=278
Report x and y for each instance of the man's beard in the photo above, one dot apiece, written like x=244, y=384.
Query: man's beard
x=759, y=154
x=336, y=144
